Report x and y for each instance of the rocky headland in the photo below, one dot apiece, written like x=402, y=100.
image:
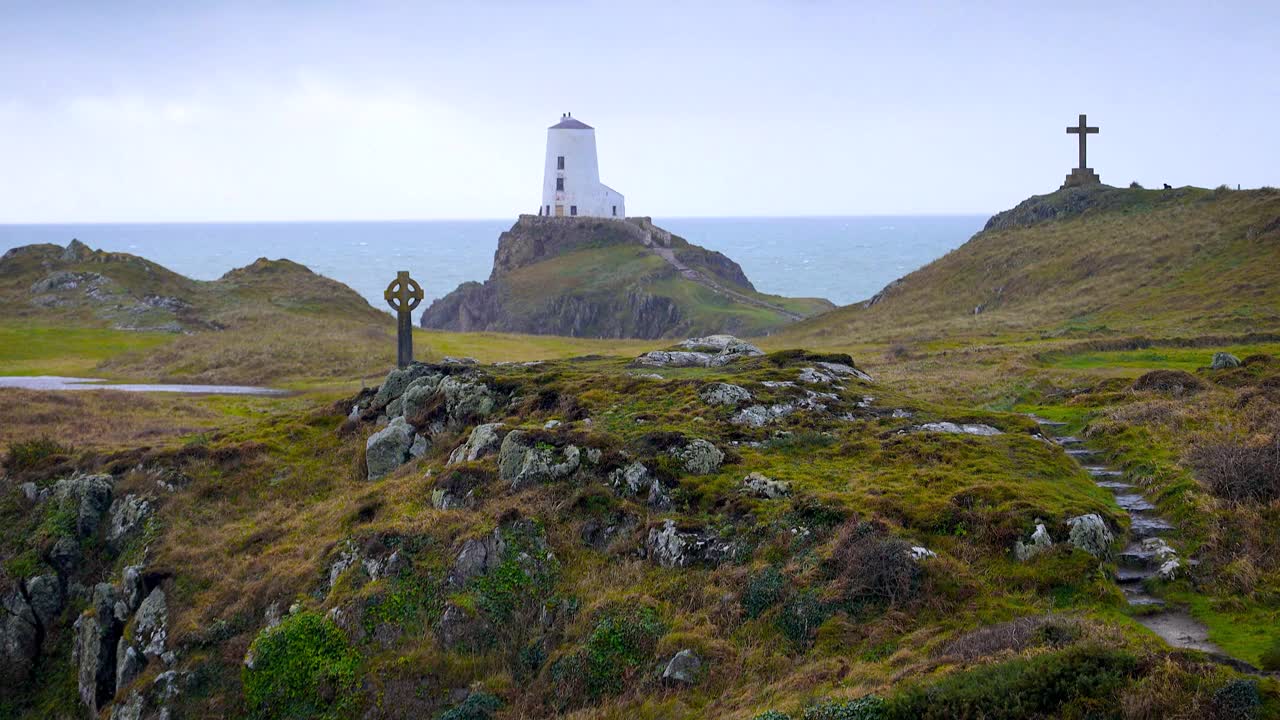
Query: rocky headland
x=599, y=277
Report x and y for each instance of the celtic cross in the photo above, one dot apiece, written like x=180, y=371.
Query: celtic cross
x=403, y=295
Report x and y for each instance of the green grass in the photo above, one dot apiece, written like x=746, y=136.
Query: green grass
x=1243, y=630
x=1136, y=362
x=29, y=349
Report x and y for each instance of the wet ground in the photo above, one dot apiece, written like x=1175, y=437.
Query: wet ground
x=57, y=383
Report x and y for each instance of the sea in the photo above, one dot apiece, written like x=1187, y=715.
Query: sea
x=842, y=259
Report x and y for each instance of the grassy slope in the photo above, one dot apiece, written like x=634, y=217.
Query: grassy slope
x=1150, y=262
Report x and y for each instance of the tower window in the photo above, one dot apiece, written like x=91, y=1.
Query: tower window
x=559, y=162
x=615, y=211
x=559, y=184
x=573, y=209
x=548, y=209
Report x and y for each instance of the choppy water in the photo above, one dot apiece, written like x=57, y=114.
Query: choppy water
x=844, y=259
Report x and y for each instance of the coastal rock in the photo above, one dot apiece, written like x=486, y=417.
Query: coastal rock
x=723, y=394
x=699, y=457
x=19, y=640
x=417, y=395
x=151, y=625
x=669, y=547
x=91, y=497
x=477, y=556
x=522, y=461
x=636, y=480
x=958, y=428
x=96, y=635
x=1224, y=361
x=45, y=596
x=762, y=486
x=1040, y=541
x=128, y=516
x=483, y=441
x=761, y=415
x=710, y=351
x=1090, y=533
x=397, y=382
x=388, y=448
x=683, y=668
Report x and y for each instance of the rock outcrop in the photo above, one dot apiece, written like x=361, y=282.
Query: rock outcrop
x=614, y=278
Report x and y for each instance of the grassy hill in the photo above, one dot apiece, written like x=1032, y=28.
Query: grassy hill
x=1093, y=262
x=592, y=277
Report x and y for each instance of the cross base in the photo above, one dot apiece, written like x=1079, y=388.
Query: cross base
x=1080, y=177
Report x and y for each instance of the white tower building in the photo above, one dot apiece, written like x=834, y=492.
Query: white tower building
x=571, y=178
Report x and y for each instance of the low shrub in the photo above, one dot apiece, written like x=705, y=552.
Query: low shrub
x=764, y=590
x=772, y=715
x=622, y=640
x=32, y=454
x=1239, y=471
x=1237, y=700
x=868, y=565
x=1169, y=382
x=1085, y=678
x=869, y=707
x=302, y=668
x=801, y=616
x=477, y=706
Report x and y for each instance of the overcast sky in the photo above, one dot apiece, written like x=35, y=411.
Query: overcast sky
x=160, y=111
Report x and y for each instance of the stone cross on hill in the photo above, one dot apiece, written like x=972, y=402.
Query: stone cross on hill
x=1083, y=175
x=403, y=295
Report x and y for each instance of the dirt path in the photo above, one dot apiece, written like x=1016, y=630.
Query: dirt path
x=701, y=278
x=1146, y=551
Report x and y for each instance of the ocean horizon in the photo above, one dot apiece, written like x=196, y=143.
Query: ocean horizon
x=844, y=259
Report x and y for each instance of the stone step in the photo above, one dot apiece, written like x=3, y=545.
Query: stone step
x=1102, y=471
x=1068, y=440
x=1142, y=599
x=1046, y=421
x=1145, y=526
x=1116, y=485
x=1133, y=502
x=1126, y=575
x=1136, y=556
x=1081, y=453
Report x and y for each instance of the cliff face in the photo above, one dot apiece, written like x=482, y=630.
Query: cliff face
x=597, y=277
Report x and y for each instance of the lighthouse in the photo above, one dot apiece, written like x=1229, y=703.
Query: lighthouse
x=571, y=184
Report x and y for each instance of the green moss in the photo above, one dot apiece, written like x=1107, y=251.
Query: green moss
x=621, y=640
x=303, y=668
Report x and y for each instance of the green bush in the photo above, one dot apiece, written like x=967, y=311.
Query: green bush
x=28, y=454
x=621, y=641
x=1237, y=700
x=801, y=616
x=477, y=706
x=772, y=715
x=869, y=707
x=1086, y=678
x=302, y=668
x=764, y=590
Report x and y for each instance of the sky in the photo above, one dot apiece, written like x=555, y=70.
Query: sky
x=130, y=111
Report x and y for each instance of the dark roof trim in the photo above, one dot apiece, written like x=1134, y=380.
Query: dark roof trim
x=569, y=123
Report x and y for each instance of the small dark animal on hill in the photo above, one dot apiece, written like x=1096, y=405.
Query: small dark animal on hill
x=1167, y=186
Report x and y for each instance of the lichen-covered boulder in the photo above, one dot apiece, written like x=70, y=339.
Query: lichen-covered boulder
x=723, y=394
x=483, y=441
x=761, y=415
x=1090, y=533
x=710, y=351
x=699, y=457
x=476, y=557
x=19, y=640
x=523, y=461
x=397, y=381
x=418, y=394
x=762, y=486
x=96, y=634
x=388, y=448
x=958, y=428
x=45, y=596
x=128, y=517
x=151, y=625
x=1039, y=542
x=1224, y=361
x=466, y=399
x=90, y=495
x=635, y=480
x=670, y=547
x=683, y=668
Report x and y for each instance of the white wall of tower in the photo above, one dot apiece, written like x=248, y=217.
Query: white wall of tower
x=580, y=176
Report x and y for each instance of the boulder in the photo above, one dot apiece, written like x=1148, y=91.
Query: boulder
x=1224, y=360
x=151, y=625
x=131, y=589
x=958, y=428
x=418, y=394
x=96, y=635
x=919, y=553
x=1039, y=542
x=19, y=640
x=670, y=547
x=522, y=461
x=419, y=448
x=723, y=394
x=477, y=557
x=1169, y=569
x=388, y=448
x=457, y=627
x=636, y=480
x=128, y=517
x=397, y=382
x=1090, y=533
x=710, y=351
x=699, y=457
x=484, y=440
x=45, y=596
x=65, y=556
x=761, y=415
x=129, y=664
x=841, y=369
x=466, y=400
x=683, y=668
x=90, y=495
x=762, y=486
